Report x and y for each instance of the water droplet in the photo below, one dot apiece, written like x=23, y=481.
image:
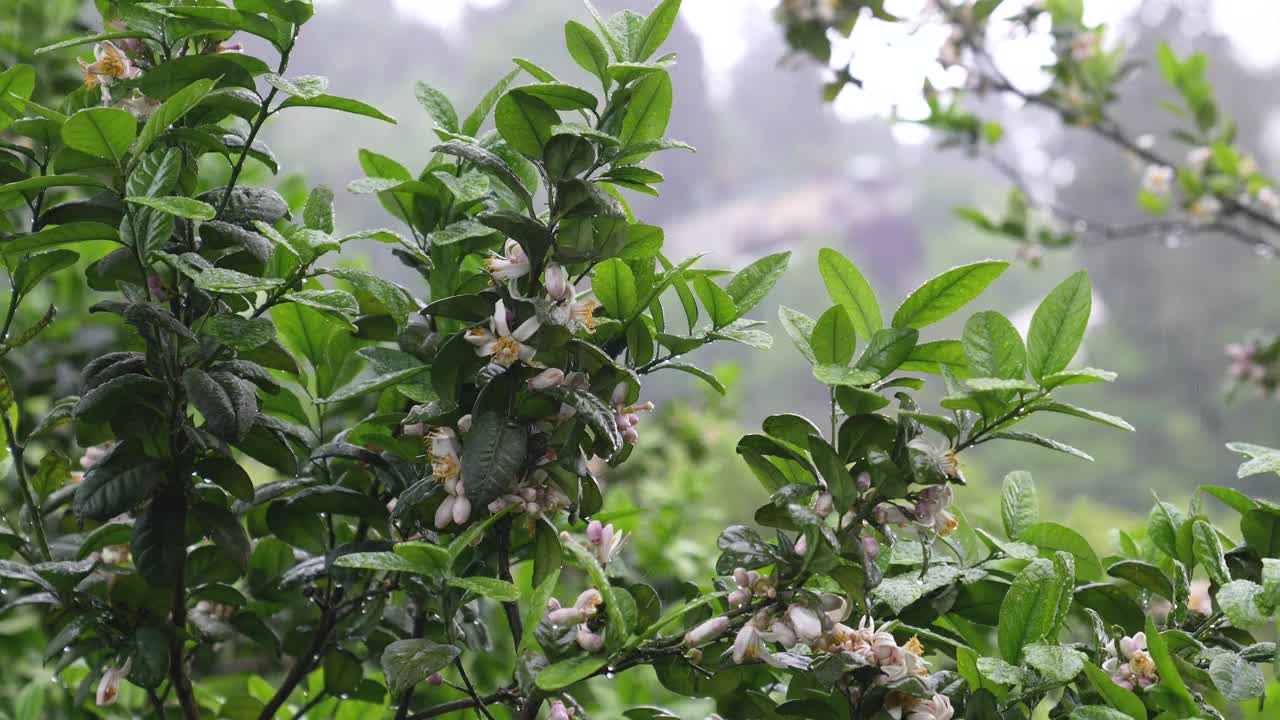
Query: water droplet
x=1174, y=240
x=1263, y=250
x=609, y=676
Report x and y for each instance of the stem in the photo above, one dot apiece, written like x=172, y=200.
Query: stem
x=157, y=703
x=177, y=664
x=505, y=695
x=419, y=624
x=299, y=670
x=302, y=711
x=511, y=608
x=258, y=122
x=37, y=521
x=479, y=703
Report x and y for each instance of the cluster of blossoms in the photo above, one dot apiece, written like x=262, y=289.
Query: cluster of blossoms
x=446, y=465
x=626, y=416
x=750, y=584
x=929, y=513
x=499, y=342
x=124, y=60
x=1250, y=365
x=584, y=615
x=1129, y=664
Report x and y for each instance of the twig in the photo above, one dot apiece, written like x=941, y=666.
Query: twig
x=479, y=703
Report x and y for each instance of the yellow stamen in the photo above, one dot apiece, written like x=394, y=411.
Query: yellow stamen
x=506, y=350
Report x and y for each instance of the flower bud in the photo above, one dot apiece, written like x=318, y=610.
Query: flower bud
x=707, y=631
x=557, y=282
x=740, y=577
x=553, y=604
x=620, y=392
x=864, y=481
x=805, y=622
x=592, y=642
x=595, y=532
x=558, y=709
x=739, y=597
x=464, y=424
x=435, y=678
x=801, y=548
x=414, y=429
x=547, y=379
x=824, y=504
x=109, y=685
x=566, y=616
x=870, y=548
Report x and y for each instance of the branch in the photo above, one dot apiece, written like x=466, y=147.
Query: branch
x=505, y=695
x=478, y=702
x=263, y=113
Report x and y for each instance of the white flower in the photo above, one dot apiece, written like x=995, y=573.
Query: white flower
x=605, y=541
x=1268, y=198
x=446, y=452
x=749, y=645
x=500, y=342
x=1084, y=46
x=109, y=685
x=513, y=264
x=835, y=606
x=95, y=454
x=109, y=64
x=1199, y=599
x=941, y=457
x=568, y=311
x=1204, y=209
x=1197, y=158
x=707, y=631
x=937, y=707
x=1157, y=179
x=887, y=514
x=805, y=622
x=931, y=510
x=1129, y=664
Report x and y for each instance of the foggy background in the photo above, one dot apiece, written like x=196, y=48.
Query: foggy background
x=778, y=168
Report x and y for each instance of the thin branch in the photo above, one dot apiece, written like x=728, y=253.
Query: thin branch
x=478, y=703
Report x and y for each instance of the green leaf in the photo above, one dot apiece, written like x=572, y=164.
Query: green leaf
x=587, y=50
x=489, y=161
x=1241, y=602
x=841, y=375
x=834, y=339
x=993, y=347
x=224, y=280
x=799, y=327
x=719, y=305
x=752, y=283
x=493, y=457
x=648, y=110
x=472, y=124
x=887, y=349
x=39, y=266
x=1262, y=459
x=1076, y=377
x=656, y=28
x=937, y=356
x=1122, y=699
x=594, y=412
x=101, y=132
x=1028, y=609
x=525, y=122
x=699, y=373
x=1058, y=326
x=1052, y=536
x=947, y=293
x=1169, y=675
x=178, y=206
x=334, y=102
x=383, y=561
x=1207, y=550
x=1019, y=503
x=567, y=672
x=1236, y=678
x=849, y=288
x=1094, y=415
x=1059, y=664
x=560, y=96
x=437, y=106
x=615, y=287
x=1097, y=712
x=373, y=384
x=304, y=86
x=158, y=545
x=492, y=588
x=171, y=111
x=112, y=487
x=408, y=662
x=1261, y=531
x=1144, y=575
x=335, y=303
x=1043, y=442
x=42, y=182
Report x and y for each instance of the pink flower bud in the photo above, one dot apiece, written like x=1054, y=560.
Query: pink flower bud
x=557, y=282
x=740, y=577
x=864, y=481
x=801, y=547
x=553, y=604
x=707, y=631
x=595, y=532
x=435, y=678
x=824, y=504
x=592, y=642
x=620, y=392
x=549, y=378
x=870, y=548
x=631, y=436
x=739, y=597
x=566, y=616
x=559, y=711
